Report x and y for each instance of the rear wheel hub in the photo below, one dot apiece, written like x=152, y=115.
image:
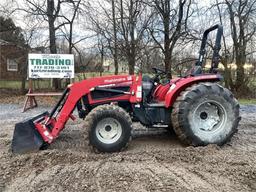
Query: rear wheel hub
x=209, y=116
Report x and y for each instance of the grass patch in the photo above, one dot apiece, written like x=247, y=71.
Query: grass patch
x=247, y=101
x=37, y=84
x=46, y=83
x=10, y=84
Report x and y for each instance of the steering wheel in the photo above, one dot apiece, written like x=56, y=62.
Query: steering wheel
x=158, y=71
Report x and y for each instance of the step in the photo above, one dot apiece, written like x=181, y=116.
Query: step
x=160, y=104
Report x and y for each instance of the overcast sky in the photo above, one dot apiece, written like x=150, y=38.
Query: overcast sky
x=41, y=35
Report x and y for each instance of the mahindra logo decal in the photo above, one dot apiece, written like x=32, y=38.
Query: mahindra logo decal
x=114, y=80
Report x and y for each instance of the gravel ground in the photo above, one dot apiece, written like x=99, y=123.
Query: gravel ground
x=152, y=162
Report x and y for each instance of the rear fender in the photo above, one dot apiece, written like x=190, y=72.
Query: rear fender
x=180, y=85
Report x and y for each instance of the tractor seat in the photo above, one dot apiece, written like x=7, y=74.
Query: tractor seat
x=147, y=86
x=194, y=71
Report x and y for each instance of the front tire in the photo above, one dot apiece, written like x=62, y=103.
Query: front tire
x=205, y=113
x=109, y=128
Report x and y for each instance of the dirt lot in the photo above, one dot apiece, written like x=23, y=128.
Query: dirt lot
x=152, y=162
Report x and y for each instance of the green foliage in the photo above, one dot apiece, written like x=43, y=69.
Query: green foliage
x=10, y=84
x=37, y=84
x=247, y=101
x=10, y=32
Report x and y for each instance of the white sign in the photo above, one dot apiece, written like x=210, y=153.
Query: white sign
x=51, y=66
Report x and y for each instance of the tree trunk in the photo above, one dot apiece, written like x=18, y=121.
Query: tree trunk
x=131, y=65
x=23, y=84
x=168, y=60
x=240, y=75
x=167, y=64
x=52, y=37
x=116, y=64
x=131, y=68
x=53, y=48
x=167, y=42
x=227, y=75
x=70, y=38
x=115, y=37
x=101, y=60
x=51, y=20
x=240, y=78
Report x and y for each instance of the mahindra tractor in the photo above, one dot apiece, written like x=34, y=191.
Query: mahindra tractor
x=195, y=106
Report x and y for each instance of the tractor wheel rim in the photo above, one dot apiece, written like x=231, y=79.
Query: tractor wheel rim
x=108, y=130
x=209, y=116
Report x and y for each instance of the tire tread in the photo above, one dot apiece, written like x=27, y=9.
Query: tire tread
x=177, y=116
x=92, y=116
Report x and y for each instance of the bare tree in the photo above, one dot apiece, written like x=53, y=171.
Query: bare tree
x=47, y=11
x=68, y=33
x=115, y=48
x=123, y=25
x=101, y=49
x=104, y=27
x=227, y=56
x=173, y=22
x=242, y=23
x=50, y=11
x=132, y=24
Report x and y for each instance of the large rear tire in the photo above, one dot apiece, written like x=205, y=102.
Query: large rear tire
x=205, y=113
x=109, y=128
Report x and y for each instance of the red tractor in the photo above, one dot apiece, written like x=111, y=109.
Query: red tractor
x=198, y=109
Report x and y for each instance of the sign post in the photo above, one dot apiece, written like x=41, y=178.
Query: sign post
x=47, y=66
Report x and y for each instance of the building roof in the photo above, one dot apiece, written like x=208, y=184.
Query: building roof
x=6, y=43
x=3, y=42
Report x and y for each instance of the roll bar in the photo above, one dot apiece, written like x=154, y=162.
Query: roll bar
x=216, y=49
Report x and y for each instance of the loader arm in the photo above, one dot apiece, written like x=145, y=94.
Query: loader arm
x=37, y=132
x=75, y=92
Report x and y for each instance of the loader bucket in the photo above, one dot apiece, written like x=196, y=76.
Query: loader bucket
x=26, y=138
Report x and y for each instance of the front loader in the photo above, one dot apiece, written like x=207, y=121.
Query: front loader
x=199, y=110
